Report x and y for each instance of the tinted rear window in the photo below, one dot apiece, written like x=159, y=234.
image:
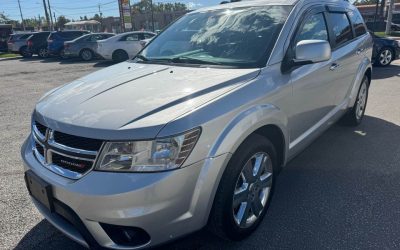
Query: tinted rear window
x=341, y=28
x=25, y=36
x=67, y=34
x=358, y=23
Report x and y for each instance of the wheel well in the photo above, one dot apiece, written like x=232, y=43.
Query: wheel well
x=275, y=135
x=368, y=73
x=22, y=47
x=80, y=52
x=117, y=50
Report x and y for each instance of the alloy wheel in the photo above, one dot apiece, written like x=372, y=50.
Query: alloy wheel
x=252, y=189
x=43, y=52
x=385, y=57
x=361, y=100
x=86, y=55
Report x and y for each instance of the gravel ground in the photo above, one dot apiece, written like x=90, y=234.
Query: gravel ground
x=342, y=192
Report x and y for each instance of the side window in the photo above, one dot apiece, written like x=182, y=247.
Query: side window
x=357, y=22
x=341, y=28
x=313, y=28
x=131, y=37
x=148, y=35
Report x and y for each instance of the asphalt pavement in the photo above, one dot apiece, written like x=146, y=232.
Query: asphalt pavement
x=342, y=192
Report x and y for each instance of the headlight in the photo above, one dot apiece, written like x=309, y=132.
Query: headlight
x=147, y=156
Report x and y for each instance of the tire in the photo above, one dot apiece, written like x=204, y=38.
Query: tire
x=62, y=55
x=86, y=55
x=120, y=56
x=225, y=220
x=43, y=53
x=25, y=53
x=355, y=115
x=384, y=57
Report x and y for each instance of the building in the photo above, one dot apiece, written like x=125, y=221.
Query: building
x=368, y=12
x=91, y=25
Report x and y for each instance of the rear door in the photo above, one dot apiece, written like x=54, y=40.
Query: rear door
x=131, y=44
x=344, y=54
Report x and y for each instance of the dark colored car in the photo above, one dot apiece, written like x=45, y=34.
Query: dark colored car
x=55, y=42
x=17, y=43
x=385, y=50
x=37, y=44
x=84, y=46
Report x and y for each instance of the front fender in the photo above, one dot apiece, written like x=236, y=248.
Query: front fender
x=245, y=123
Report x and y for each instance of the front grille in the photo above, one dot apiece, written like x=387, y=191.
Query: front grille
x=40, y=149
x=77, y=141
x=42, y=129
x=67, y=155
x=75, y=165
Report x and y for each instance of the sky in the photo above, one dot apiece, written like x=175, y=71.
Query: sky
x=73, y=9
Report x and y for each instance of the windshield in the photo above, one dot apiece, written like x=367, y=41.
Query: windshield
x=240, y=37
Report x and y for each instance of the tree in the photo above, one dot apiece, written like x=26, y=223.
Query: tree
x=96, y=17
x=144, y=6
x=61, y=21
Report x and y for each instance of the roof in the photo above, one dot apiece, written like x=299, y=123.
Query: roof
x=247, y=3
x=87, y=22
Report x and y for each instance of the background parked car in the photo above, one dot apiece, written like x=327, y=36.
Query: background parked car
x=17, y=43
x=84, y=46
x=37, y=44
x=55, y=42
x=123, y=46
x=385, y=50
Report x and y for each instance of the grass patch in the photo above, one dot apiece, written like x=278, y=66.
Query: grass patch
x=382, y=34
x=8, y=55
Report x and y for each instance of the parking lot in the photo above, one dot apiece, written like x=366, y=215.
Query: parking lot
x=342, y=192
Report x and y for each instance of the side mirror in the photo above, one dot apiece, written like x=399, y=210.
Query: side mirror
x=312, y=51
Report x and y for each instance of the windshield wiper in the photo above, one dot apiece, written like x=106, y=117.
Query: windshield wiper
x=186, y=59
x=142, y=57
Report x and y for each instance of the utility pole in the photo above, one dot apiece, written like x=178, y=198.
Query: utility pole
x=389, y=18
x=55, y=20
x=376, y=14
x=47, y=14
x=40, y=23
x=101, y=18
x=51, y=17
x=22, y=18
x=152, y=15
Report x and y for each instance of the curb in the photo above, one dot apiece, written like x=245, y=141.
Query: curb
x=10, y=58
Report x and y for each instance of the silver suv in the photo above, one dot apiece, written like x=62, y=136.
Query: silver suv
x=194, y=129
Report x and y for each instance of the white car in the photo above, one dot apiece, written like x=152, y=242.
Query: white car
x=123, y=46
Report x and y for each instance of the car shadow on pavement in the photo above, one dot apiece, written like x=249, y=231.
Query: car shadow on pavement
x=342, y=192
x=385, y=72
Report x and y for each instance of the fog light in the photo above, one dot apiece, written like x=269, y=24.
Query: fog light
x=124, y=235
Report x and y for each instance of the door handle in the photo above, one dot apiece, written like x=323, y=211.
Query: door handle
x=359, y=51
x=334, y=66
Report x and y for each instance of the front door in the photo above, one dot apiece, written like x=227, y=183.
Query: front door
x=313, y=84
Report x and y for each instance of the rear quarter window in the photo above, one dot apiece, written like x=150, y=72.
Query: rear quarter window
x=341, y=28
x=25, y=36
x=357, y=22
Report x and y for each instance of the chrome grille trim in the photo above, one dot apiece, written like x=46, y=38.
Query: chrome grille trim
x=37, y=133
x=51, y=147
x=53, y=143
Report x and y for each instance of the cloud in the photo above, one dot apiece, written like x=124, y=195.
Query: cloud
x=193, y=5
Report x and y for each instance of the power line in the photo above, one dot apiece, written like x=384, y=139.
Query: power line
x=85, y=7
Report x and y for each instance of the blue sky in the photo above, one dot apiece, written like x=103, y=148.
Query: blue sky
x=76, y=8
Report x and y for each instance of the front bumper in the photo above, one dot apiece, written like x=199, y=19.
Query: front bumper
x=166, y=205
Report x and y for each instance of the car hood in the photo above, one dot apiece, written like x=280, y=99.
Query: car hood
x=130, y=96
